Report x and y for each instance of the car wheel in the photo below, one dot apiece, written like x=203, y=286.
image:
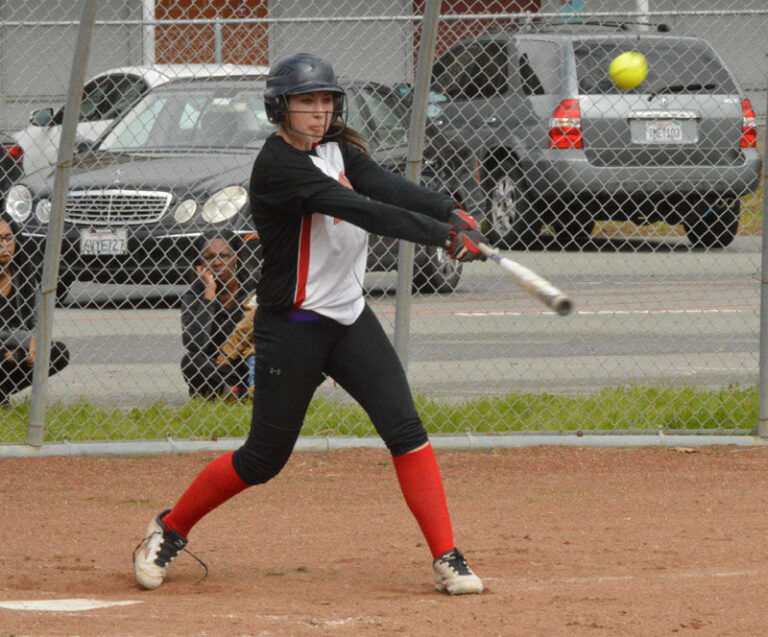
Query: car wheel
x=713, y=225
x=435, y=271
x=66, y=279
x=573, y=230
x=509, y=217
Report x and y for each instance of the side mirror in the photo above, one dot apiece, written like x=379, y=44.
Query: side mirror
x=83, y=146
x=41, y=117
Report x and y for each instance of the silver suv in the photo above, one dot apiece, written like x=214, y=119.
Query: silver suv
x=561, y=147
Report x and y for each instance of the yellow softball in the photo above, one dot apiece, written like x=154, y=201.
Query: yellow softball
x=628, y=70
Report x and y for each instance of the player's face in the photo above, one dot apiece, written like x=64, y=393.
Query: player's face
x=7, y=243
x=219, y=258
x=308, y=118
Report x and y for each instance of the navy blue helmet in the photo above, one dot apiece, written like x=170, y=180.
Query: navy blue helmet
x=297, y=74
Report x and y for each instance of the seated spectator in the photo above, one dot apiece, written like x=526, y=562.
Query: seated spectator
x=211, y=310
x=18, y=346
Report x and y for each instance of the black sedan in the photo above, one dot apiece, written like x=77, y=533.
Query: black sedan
x=178, y=163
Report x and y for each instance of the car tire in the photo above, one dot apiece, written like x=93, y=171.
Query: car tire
x=435, y=271
x=573, y=231
x=63, y=285
x=712, y=225
x=510, y=219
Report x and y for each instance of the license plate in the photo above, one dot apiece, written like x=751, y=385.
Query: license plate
x=104, y=242
x=666, y=132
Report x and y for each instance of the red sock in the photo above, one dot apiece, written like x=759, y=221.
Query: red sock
x=422, y=486
x=213, y=486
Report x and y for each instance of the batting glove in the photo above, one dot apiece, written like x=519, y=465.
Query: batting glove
x=462, y=219
x=462, y=245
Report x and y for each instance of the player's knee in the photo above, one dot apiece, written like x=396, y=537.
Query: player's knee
x=257, y=468
x=405, y=437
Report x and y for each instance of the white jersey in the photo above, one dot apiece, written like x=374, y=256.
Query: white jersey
x=332, y=254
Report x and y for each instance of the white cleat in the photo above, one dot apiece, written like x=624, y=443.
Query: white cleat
x=453, y=575
x=154, y=554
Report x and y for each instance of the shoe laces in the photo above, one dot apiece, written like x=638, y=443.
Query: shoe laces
x=455, y=561
x=168, y=551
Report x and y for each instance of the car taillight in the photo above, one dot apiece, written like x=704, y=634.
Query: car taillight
x=17, y=152
x=748, y=125
x=565, y=125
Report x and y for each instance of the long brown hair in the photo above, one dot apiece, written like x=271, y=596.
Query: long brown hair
x=340, y=129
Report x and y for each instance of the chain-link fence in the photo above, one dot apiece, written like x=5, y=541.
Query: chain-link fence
x=644, y=203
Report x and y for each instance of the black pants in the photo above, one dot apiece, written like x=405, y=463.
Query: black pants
x=290, y=360
x=16, y=375
x=205, y=378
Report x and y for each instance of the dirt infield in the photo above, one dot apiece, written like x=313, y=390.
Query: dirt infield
x=639, y=542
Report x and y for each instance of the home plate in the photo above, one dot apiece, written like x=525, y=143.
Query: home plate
x=61, y=605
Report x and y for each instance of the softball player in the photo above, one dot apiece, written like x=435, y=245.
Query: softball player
x=315, y=194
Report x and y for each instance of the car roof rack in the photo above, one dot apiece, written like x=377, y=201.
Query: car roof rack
x=578, y=24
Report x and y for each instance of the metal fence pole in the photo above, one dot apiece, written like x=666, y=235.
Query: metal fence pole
x=47, y=295
x=415, y=155
x=218, y=41
x=148, y=31
x=762, y=425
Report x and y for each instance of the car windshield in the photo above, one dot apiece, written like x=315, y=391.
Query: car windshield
x=191, y=120
x=673, y=66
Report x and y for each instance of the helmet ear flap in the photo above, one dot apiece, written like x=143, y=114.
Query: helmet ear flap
x=338, y=108
x=275, y=107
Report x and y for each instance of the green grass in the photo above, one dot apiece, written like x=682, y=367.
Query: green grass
x=751, y=219
x=623, y=409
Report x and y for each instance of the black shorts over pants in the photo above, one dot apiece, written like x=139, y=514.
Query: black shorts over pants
x=291, y=358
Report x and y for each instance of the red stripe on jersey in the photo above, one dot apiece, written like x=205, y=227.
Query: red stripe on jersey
x=344, y=182
x=304, y=242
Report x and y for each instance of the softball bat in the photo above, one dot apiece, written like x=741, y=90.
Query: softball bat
x=531, y=282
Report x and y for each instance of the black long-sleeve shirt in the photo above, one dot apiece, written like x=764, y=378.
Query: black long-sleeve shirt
x=205, y=325
x=17, y=310
x=313, y=210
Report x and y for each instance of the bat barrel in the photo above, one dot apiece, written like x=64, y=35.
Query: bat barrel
x=561, y=304
x=531, y=282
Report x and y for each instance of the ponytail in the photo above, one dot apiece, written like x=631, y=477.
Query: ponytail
x=339, y=129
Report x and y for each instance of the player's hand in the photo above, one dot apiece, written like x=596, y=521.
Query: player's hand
x=462, y=245
x=463, y=220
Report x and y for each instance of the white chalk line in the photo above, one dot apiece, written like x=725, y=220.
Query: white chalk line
x=62, y=605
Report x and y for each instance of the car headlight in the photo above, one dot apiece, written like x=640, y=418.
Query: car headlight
x=225, y=204
x=18, y=203
x=185, y=211
x=43, y=210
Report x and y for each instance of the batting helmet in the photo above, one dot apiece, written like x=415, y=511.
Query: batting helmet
x=297, y=74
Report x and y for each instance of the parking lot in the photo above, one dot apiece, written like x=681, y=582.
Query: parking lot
x=646, y=312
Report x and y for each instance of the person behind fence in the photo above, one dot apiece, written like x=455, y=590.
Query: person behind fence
x=18, y=346
x=315, y=194
x=212, y=311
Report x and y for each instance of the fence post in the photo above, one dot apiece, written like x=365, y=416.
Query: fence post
x=148, y=31
x=415, y=155
x=762, y=425
x=218, y=41
x=47, y=292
